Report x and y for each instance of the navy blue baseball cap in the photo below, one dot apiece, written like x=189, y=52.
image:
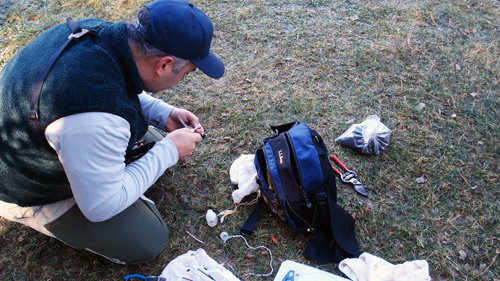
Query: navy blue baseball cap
x=179, y=28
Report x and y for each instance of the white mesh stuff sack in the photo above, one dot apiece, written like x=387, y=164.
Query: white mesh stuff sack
x=368, y=137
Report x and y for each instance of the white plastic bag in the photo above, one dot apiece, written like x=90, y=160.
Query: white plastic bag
x=243, y=173
x=368, y=137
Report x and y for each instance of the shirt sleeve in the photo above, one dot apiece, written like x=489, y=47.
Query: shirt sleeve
x=91, y=147
x=155, y=110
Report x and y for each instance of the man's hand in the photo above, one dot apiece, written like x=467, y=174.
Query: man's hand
x=173, y=123
x=185, y=140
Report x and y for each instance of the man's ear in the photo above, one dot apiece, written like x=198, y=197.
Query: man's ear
x=164, y=64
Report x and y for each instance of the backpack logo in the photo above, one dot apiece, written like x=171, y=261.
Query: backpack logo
x=280, y=153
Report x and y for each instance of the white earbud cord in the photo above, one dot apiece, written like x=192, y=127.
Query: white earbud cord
x=224, y=236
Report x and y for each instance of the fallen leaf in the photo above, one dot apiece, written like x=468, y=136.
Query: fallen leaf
x=421, y=23
x=420, y=106
x=250, y=257
x=184, y=198
x=274, y=239
x=441, y=112
x=463, y=255
x=354, y=18
x=366, y=208
x=476, y=249
x=421, y=179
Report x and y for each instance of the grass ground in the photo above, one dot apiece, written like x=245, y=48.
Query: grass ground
x=429, y=69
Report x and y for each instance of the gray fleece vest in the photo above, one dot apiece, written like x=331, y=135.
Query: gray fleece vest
x=84, y=79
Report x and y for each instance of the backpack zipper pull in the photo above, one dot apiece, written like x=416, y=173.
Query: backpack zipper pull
x=304, y=194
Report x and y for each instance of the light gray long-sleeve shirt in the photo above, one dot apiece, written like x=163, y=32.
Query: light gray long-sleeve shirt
x=91, y=147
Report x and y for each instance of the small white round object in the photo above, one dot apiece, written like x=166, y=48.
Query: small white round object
x=224, y=236
x=211, y=218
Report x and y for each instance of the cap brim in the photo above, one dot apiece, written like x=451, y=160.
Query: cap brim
x=210, y=65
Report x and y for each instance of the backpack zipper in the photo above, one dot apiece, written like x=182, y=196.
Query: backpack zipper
x=310, y=226
x=299, y=180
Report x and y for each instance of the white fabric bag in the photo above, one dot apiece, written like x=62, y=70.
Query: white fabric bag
x=196, y=265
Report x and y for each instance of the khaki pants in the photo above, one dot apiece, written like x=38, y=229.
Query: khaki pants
x=138, y=234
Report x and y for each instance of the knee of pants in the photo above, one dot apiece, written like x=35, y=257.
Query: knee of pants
x=136, y=235
x=146, y=247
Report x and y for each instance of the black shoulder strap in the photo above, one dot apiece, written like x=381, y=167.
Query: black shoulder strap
x=76, y=32
x=247, y=228
x=336, y=240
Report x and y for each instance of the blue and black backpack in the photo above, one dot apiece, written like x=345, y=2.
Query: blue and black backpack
x=298, y=184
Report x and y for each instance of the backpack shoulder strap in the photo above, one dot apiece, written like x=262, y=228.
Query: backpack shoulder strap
x=247, y=228
x=336, y=240
x=34, y=112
